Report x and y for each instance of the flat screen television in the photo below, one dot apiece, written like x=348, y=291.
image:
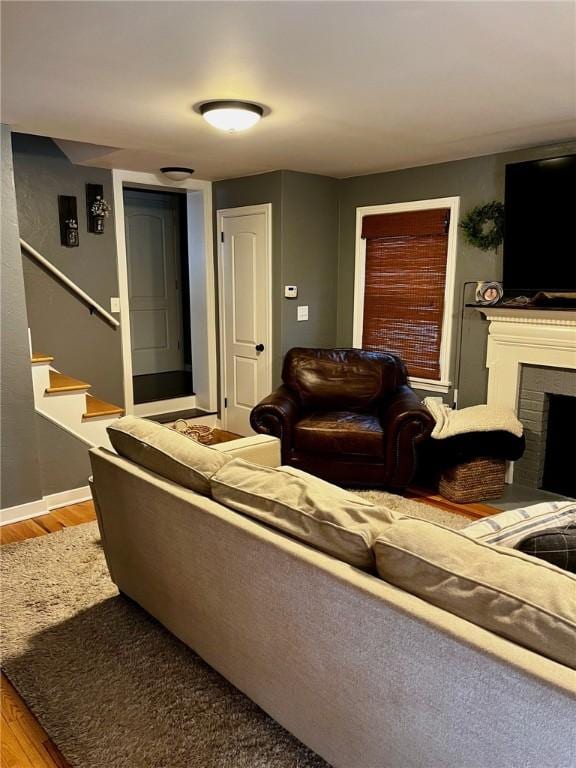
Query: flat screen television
x=540, y=226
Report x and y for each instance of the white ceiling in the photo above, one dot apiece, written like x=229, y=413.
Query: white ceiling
x=353, y=87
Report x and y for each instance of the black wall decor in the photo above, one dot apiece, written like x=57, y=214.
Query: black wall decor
x=94, y=193
x=68, y=221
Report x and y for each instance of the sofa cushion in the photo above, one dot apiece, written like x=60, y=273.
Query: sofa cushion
x=508, y=528
x=166, y=452
x=340, y=432
x=512, y=594
x=555, y=545
x=325, y=517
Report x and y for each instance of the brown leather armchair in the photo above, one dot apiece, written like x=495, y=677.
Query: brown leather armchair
x=346, y=415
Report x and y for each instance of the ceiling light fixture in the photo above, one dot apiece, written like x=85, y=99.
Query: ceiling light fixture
x=231, y=116
x=176, y=173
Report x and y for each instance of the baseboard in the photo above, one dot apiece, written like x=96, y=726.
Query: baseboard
x=44, y=505
x=23, y=511
x=64, y=498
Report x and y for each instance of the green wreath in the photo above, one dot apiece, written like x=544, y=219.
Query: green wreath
x=483, y=226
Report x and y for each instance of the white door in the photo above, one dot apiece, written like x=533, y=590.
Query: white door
x=245, y=312
x=153, y=255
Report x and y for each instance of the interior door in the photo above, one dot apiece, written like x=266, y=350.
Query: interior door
x=245, y=299
x=153, y=255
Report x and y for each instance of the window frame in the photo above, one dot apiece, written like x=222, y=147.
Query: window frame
x=453, y=203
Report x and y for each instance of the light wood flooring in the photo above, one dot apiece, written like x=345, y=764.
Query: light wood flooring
x=23, y=741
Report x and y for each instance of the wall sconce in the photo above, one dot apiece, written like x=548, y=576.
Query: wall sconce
x=97, y=209
x=69, y=235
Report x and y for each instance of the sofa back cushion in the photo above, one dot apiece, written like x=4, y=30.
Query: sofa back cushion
x=319, y=514
x=341, y=379
x=514, y=595
x=166, y=452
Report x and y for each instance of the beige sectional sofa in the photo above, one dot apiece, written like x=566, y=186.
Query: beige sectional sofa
x=363, y=672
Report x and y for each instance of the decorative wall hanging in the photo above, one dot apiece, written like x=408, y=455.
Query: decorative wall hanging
x=488, y=293
x=67, y=211
x=97, y=209
x=483, y=226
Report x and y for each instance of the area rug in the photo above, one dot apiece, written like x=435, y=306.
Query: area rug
x=110, y=685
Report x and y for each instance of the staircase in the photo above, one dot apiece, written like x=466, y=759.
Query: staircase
x=67, y=402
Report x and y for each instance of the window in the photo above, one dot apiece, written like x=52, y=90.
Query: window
x=404, y=285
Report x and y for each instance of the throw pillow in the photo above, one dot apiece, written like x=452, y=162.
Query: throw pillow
x=555, y=545
x=508, y=528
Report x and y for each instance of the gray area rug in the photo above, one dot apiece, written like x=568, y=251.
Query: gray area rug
x=109, y=684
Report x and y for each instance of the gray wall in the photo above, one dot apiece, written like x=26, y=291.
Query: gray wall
x=309, y=258
x=20, y=473
x=83, y=345
x=304, y=251
x=475, y=180
x=64, y=460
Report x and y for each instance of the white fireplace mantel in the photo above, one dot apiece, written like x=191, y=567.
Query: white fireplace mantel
x=520, y=337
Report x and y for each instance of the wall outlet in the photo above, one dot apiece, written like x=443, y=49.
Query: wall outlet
x=302, y=313
x=114, y=304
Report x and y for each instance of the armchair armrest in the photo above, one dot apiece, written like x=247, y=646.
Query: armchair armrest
x=406, y=422
x=276, y=415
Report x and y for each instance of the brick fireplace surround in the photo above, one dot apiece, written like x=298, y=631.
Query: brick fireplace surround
x=531, y=355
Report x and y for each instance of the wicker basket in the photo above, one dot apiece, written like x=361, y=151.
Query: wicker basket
x=474, y=480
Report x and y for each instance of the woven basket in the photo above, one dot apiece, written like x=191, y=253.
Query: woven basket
x=474, y=480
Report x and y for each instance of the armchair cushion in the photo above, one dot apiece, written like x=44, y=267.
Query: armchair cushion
x=338, y=432
x=341, y=379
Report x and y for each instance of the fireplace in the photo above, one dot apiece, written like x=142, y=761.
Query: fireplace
x=531, y=359
x=559, y=475
x=546, y=406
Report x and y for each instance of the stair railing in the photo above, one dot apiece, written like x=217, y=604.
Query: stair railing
x=92, y=304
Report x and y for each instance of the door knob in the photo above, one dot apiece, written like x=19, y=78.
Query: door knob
x=259, y=347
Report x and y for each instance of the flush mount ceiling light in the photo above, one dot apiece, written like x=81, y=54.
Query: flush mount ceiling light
x=176, y=173
x=231, y=116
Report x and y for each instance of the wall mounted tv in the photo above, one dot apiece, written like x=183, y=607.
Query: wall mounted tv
x=540, y=226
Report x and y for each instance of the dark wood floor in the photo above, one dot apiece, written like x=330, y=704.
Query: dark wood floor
x=23, y=742
x=162, y=386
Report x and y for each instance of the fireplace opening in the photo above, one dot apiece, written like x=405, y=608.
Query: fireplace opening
x=559, y=474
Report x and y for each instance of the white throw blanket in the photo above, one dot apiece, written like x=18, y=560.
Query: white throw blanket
x=477, y=418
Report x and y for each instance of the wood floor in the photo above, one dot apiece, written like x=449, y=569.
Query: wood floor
x=23, y=741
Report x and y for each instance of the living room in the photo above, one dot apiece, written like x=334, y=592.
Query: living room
x=330, y=241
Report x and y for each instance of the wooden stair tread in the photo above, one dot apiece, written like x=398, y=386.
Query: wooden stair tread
x=96, y=407
x=59, y=382
x=37, y=357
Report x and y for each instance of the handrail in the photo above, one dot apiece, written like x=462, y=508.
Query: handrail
x=69, y=283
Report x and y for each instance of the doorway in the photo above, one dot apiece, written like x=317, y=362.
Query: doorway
x=158, y=294
x=245, y=299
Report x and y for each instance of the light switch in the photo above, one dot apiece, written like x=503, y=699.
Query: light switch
x=291, y=291
x=114, y=304
x=302, y=313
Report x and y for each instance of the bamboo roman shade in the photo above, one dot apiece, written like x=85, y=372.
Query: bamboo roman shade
x=404, y=284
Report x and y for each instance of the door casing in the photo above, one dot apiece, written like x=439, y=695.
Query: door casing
x=202, y=290
x=221, y=214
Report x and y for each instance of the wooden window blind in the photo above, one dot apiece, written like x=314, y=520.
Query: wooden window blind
x=405, y=276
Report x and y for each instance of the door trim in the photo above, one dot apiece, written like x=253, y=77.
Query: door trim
x=201, y=268
x=221, y=214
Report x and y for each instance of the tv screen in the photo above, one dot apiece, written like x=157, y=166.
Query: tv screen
x=540, y=226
